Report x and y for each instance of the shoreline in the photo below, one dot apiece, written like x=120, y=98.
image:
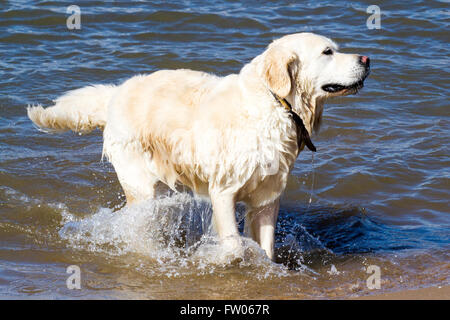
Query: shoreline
x=431, y=293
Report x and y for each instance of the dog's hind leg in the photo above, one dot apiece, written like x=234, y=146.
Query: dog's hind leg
x=260, y=226
x=133, y=168
x=137, y=184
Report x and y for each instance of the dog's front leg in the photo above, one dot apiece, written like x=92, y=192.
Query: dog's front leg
x=224, y=221
x=260, y=225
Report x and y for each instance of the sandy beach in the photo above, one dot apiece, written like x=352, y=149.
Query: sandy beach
x=432, y=293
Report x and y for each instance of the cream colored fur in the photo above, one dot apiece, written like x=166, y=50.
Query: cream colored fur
x=80, y=110
x=224, y=137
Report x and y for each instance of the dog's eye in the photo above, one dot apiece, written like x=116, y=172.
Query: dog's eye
x=327, y=51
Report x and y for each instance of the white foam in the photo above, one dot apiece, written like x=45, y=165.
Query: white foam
x=174, y=231
x=15, y=196
x=333, y=270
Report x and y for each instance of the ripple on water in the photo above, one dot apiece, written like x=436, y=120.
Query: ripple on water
x=379, y=189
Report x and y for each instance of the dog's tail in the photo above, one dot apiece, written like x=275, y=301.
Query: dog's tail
x=80, y=110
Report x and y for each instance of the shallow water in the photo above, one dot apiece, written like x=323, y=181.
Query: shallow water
x=378, y=193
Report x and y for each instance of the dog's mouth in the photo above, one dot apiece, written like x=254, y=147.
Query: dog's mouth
x=345, y=89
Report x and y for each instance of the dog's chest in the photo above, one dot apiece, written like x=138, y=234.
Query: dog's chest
x=276, y=154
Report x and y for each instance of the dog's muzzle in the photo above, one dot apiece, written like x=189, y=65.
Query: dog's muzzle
x=354, y=87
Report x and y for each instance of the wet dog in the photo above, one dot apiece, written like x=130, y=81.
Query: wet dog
x=232, y=138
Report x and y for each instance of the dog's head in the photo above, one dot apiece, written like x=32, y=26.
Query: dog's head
x=313, y=63
x=308, y=67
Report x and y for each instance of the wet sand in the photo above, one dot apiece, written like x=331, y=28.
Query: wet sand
x=432, y=293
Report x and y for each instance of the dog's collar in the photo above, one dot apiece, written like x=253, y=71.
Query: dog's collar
x=302, y=133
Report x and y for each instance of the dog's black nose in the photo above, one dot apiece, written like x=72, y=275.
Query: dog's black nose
x=365, y=61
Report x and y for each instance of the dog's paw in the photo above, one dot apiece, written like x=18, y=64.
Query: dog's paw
x=233, y=249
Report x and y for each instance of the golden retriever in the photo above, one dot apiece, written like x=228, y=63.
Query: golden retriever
x=231, y=138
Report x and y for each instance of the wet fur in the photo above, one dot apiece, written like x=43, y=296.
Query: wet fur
x=224, y=137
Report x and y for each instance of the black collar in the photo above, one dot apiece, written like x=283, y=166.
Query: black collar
x=302, y=133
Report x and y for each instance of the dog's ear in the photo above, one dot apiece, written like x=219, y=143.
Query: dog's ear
x=278, y=65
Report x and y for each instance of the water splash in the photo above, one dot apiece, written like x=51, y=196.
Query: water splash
x=296, y=261
x=174, y=231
